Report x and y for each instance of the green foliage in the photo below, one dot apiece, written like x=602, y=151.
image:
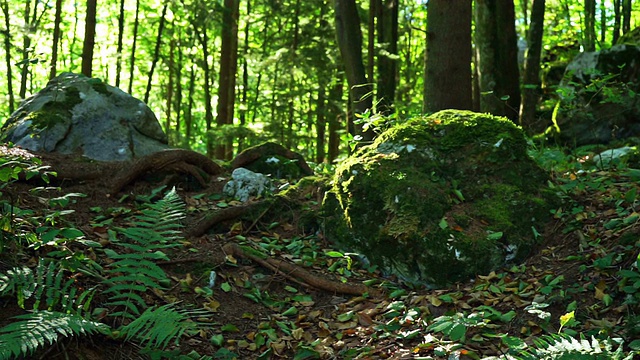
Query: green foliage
x=154, y=228
x=564, y=347
x=23, y=337
x=48, y=287
x=157, y=327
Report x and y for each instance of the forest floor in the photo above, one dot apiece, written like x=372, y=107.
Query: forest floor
x=579, y=281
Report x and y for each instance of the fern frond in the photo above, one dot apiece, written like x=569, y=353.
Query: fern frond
x=565, y=347
x=157, y=327
x=23, y=337
x=154, y=228
x=48, y=284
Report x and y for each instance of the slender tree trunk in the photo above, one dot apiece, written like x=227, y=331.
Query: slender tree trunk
x=208, y=108
x=617, y=22
x=337, y=117
x=119, y=46
x=292, y=79
x=178, y=99
x=525, y=14
x=169, y=94
x=188, y=116
x=626, y=16
x=603, y=22
x=245, y=78
x=56, y=39
x=156, y=52
x=388, y=54
x=497, y=58
x=26, y=48
x=7, y=54
x=447, y=83
x=89, y=38
x=371, y=35
x=132, y=59
x=321, y=121
x=350, y=44
x=531, y=78
x=228, y=66
x=589, y=25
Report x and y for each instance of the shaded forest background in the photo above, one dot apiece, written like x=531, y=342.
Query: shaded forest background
x=224, y=75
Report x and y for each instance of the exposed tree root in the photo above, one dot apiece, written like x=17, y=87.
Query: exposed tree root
x=176, y=160
x=214, y=217
x=300, y=275
x=250, y=155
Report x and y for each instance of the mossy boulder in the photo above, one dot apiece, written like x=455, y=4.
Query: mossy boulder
x=75, y=114
x=440, y=198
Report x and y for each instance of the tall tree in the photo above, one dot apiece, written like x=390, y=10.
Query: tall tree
x=132, y=58
x=589, y=25
x=617, y=20
x=447, y=82
x=228, y=67
x=388, y=54
x=350, y=45
x=497, y=58
x=56, y=39
x=89, y=38
x=531, y=76
x=626, y=16
x=7, y=54
x=119, y=46
x=156, y=51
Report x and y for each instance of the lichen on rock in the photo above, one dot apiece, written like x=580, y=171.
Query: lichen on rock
x=440, y=198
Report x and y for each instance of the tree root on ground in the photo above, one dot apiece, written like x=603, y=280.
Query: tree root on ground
x=215, y=217
x=300, y=275
x=175, y=160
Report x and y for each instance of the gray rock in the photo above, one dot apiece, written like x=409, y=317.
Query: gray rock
x=76, y=114
x=245, y=184
x=599, y=100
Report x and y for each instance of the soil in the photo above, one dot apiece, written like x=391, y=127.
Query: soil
x=330, y=323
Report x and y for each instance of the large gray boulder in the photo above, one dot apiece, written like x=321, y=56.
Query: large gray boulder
x=440, y=198
x=599, y=97
x=85, y=116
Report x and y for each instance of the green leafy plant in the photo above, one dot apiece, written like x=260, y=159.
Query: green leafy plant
x=134, y=272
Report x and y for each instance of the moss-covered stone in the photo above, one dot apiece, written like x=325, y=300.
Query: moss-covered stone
x=440, y=198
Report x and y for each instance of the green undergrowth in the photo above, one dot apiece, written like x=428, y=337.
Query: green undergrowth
x=578, y=299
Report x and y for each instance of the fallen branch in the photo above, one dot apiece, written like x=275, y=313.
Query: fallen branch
x=214, y=217
x=300, y=275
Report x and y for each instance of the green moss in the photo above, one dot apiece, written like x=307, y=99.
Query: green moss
x=99, y=86
x=394, y=200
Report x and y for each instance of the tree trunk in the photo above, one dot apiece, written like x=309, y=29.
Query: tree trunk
x=589, y=25
x=497, y=58
x=387, y=55
x=228, y=66
x=447, y=83
x=169, y=94
x=188, y=117
x=178, y=100
x=119, y=46
x=89, y=38
x=26, y=48
x=156, y=52
x=350, y=44
x=7, y=54
x=531, y=78
x=337, y=117
x=208, y=108
x=132, y=60
x=245, y=78
x=56, y=39
x=617, y=21
x=371, y=36
x=603, y=22
x=626, y=16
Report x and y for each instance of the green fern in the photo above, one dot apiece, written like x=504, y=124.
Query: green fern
x=23, y=337
x=157, y=327
x=565, y=347
x=135, y=272
x=48, y=285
